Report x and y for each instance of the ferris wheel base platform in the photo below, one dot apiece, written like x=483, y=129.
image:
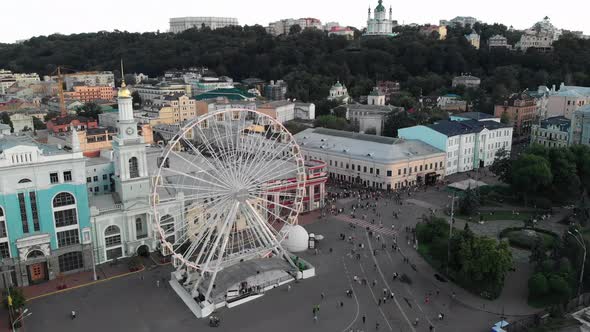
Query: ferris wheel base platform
x=205, y=308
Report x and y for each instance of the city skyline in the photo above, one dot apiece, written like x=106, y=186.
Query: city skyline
x=150, y=16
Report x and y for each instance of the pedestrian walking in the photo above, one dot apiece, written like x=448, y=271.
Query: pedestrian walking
x=416, y=321
x=288, y=288
x=364, y=319
x=73, y=314
x=377, y=326
x=431, y=328
x=379, y=301
x=315, y=318
x=158, y=283
x=323, y=296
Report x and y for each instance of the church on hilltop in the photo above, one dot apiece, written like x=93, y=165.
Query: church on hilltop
x=380, y=24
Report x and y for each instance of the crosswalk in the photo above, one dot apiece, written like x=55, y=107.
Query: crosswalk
x=364, y=224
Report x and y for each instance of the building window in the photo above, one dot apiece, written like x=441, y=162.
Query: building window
x=365, y=169
x=371, y=170
x=112, y=240
x=24, y=181
x=65, y=217
x=140, y=229
x=388, y=172
x=68, y=238
x=399, y=171
x=134, y=168
x=95, y=189
x=68, y=176
x=35, y=213
x=54, y=178
x=420, y=168
x=63, y=199
x=95, y=178
x=71, y=261
x=23, y=212
x=377, y=170
x=104, y=176
x=2, y=224
x=88, y=179
x=106, y=187
x=4, y=251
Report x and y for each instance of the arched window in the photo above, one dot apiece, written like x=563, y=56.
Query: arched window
x=63, y=199
x=24, y=181
x=133, y=168
x=140, y=229
x=35, y=254
x=112, y=240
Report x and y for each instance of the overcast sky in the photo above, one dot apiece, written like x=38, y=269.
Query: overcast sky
x=22, y=19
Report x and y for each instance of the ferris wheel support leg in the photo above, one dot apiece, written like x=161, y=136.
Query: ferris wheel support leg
x=270, y=237
x=223, y=234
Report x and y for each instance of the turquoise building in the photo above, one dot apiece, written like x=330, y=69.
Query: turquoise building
x=44, y=213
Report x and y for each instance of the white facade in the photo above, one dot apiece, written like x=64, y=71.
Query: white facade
x=180, y=24
x=8, y=78
x=541, y=36
x=283, y=27
x=103, y=78
x=473, y=39
x=151, y=92
x=380, y=24
x=498, y=41
x=339, y=92
x=21, y=121
x=567, y=100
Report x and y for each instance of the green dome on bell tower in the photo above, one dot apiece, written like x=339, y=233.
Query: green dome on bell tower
x=380, y=7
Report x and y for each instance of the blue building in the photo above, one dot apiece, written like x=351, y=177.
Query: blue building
x=44, y=213
x=468, y=144
x=580, y=126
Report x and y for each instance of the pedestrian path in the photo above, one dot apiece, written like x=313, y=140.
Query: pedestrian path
x=365, y=224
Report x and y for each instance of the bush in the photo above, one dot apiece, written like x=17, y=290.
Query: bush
x=517, y=237
x=18, y=298
x=538, y=285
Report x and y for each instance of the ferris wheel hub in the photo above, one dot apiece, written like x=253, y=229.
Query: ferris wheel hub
x=241, y=195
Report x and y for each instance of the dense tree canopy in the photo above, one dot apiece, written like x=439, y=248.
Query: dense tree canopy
x=311, y=60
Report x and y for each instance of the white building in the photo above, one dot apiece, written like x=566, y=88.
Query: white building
x=473, y=39
x=200, y=85
x=369, y=117
x=540, y=36
x=462, y=21
x=345, y=32
x=91, y=78
x=122, y=218
x=283, y=27
x=467, y=81
x=339, y=92
x=378, y=162
x=151, y=92
x=305, y=111
x=180, y=24
x=469, y=144
x=498, y=41
x=8, y=78
x=567, y=100
x=380, y=25
x=21, y=121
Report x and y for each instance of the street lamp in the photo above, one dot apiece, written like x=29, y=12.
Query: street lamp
x=22, y=316
x=450, y=231
x=583, y=245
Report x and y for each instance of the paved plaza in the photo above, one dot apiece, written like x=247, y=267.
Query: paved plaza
x=134, y=303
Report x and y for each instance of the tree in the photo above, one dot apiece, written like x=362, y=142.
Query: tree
x=38, y=124
x=530, y=174
x=295, y=29
x=137, y=102
x=17, y=297
x=5, y=118
x=538, y=252
x=90, y=110
x=559, y=287
x=469, y=202
x=538, y=285
x=505, y=118
x=331, y=122
x=502, y=165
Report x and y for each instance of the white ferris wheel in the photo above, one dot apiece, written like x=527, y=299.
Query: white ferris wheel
x=241, y=179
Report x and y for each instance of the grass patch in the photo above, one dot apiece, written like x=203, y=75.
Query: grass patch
x=519, y=238
x=498, y=215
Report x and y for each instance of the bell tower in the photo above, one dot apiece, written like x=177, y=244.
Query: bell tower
x=129, y=155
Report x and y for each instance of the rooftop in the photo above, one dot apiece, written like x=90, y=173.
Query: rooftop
x=231, y=94
x=454, y=128
x=363, y=146
x=561, y=121
x=475, y=115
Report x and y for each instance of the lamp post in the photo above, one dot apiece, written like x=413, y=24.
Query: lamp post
x=450, y=232
x=582, y=244
x=20, y=318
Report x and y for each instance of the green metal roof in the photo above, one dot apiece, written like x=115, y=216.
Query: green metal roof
x=380, y=7
x=231, y=94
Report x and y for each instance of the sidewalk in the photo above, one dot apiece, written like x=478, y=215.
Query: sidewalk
x=104, y=272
